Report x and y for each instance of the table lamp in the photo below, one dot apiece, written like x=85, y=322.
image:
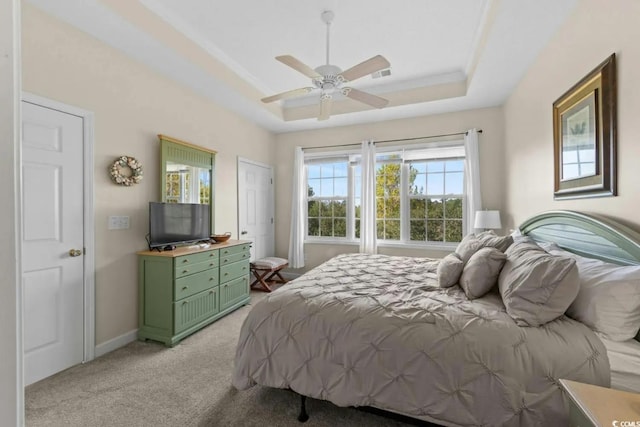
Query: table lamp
x=487, y=219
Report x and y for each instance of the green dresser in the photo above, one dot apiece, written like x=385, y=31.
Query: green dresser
x=183, y=290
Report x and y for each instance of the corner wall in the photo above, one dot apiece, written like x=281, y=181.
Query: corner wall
x=132, y=104
x=491, y=166
x=592, y=32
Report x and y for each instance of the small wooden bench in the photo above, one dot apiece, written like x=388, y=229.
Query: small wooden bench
x=267, y=272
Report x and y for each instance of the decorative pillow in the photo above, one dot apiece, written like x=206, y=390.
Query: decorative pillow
x=537, y=287
x=609, y=297
x=492, y=240
x=449, y=270
x=467, y=247
x=481, y=272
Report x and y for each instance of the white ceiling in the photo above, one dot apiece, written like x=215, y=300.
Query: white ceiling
x=445, y=55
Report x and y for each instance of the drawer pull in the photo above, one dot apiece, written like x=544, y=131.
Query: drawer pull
x=226, y=260
x=185, y=271
x=226, y=286
x=185, y=260
x=212, y=254
x=226, y=274
x=184, y=288
x=185, y=302
x=244, y=268
x=211, y=291
x=226, y=252
x=212, y=265
x=210, y=278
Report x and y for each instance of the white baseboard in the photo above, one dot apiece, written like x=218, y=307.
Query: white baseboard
x=116, y=343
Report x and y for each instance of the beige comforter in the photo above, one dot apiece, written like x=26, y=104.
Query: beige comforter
x=375, y=330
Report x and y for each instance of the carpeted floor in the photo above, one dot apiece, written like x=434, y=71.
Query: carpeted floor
x=147, y=384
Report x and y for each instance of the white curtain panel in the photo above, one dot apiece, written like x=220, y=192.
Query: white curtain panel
x=472, y=179
x=296, y=236
x=368, y=243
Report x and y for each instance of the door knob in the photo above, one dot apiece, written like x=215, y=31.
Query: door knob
x=75, y=252
x=243, y=232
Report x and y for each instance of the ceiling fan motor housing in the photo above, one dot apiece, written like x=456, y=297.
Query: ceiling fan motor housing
x=330, y=79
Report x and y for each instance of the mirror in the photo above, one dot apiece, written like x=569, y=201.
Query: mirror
x=186, y=173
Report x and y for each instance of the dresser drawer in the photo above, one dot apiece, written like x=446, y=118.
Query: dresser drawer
x=186, y=264
x=194, y=309
x=194, y=283
x=232, y=250
x=233, y=271
x=233, y=292
x=229, y=259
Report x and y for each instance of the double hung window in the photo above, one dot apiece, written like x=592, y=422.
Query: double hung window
x=419, y=195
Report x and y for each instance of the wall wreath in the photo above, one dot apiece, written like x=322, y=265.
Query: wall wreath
x=123, y=163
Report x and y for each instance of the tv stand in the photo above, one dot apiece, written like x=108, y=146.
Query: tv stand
x=183, y=290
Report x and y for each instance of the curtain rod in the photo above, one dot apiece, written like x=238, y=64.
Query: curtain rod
x=391, y=140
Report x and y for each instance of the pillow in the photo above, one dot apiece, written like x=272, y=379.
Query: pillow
x=481, y=272
x=467, y=247
x=609, y=297
x=491, y=239
x=537, y=287
x=449, y=270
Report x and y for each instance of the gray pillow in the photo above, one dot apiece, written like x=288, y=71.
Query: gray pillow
x=491, y=239
x=481, y=272
x=467, y=247
x=449, y=270
x=537, y=287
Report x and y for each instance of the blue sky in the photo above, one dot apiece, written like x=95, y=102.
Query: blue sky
x=331, y=179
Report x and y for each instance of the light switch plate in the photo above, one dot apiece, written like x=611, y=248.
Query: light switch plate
x=118, y=222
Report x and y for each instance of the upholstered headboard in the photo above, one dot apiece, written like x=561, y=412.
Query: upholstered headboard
x=588, y=235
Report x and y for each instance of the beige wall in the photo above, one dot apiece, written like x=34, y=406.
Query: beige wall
x=595, y=30
x=491, y=165
x=132, y=105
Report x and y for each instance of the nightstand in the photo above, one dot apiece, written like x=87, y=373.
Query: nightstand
x=591, y=405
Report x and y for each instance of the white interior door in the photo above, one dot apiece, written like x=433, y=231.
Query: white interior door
x=256, y=207
x=53, y=275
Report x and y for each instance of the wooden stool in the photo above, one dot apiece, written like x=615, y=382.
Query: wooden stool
x=268, y=270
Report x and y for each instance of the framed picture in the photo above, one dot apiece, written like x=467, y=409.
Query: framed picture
x=584, y=136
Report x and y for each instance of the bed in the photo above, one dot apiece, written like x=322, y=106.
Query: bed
x=379, y=331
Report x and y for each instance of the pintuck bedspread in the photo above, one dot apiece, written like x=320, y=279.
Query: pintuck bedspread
x=375, y=330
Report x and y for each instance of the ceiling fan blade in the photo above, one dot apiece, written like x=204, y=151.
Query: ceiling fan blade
x=369, y=66
x=288, y=94
x=325, y=107
x=298, y=66
x=364, y=97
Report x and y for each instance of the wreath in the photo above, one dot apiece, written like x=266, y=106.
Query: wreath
x=124, y=162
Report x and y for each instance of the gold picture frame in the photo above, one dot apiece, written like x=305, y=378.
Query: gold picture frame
x=584, y=136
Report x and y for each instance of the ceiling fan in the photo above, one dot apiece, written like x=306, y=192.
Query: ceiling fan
x=330, y=78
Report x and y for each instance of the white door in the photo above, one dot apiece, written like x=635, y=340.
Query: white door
x=53, y=239
x=256, y=207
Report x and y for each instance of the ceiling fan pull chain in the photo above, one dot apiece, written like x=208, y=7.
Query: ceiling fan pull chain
x=328, y=21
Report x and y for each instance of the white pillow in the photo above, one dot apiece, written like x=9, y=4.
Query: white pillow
x=449, y=270
x=609, y=297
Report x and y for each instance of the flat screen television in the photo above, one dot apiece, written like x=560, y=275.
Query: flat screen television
x=178, y=223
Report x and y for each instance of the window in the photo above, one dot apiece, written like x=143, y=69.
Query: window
x=419, y=195
x=327, y=198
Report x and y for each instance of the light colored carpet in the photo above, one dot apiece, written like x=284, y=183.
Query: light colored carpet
x=147, y=384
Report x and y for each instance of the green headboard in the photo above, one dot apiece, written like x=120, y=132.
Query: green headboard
x=587, y=235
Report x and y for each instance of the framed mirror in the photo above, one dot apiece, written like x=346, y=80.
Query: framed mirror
x=187, y=173
x=584, y=136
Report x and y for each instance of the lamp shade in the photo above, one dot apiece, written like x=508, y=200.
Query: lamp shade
x=487, y=219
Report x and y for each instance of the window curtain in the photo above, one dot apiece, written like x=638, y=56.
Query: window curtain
x=296, y=236
x=472, y=179
x=368, y=243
